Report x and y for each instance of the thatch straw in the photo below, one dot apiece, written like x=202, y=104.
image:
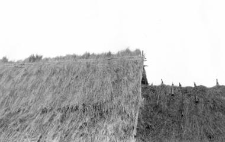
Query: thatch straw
x=95, y=100
x=191, y=114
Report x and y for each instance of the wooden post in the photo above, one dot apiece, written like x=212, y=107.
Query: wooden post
x=195, y=84
x=172, y=91
x=161, y=82
x=140, y=100
x=217, y=83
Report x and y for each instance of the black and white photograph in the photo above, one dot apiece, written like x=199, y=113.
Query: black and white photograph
x=112, y=71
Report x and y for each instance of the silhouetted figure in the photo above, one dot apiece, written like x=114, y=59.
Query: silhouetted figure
x=217, y=83
x=161, y=82
x=195, y=84
x=152, y=84
x=180, y=85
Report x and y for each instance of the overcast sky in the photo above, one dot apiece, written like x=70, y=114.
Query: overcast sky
x=184, y=40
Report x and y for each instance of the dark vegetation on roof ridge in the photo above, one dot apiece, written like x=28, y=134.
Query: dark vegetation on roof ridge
x=191, y=87
x=71, y=57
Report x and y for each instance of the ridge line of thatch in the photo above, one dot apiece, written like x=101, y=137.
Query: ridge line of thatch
x=76, y=60
x=177, y=86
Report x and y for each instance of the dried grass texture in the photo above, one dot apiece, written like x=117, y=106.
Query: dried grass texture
x=192, y=114
x=70, y=101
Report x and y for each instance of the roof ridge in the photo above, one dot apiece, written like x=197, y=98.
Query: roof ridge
x=75, y=60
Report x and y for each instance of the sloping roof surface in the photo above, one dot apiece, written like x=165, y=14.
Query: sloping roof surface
x=92, y=100
x=191, y=114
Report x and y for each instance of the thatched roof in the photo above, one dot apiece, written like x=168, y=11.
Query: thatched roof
x=81, y=99
x=191, y=114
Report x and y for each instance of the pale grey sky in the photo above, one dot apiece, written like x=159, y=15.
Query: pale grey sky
x=184, y=40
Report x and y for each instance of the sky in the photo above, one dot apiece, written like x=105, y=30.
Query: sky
x=183, y=40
